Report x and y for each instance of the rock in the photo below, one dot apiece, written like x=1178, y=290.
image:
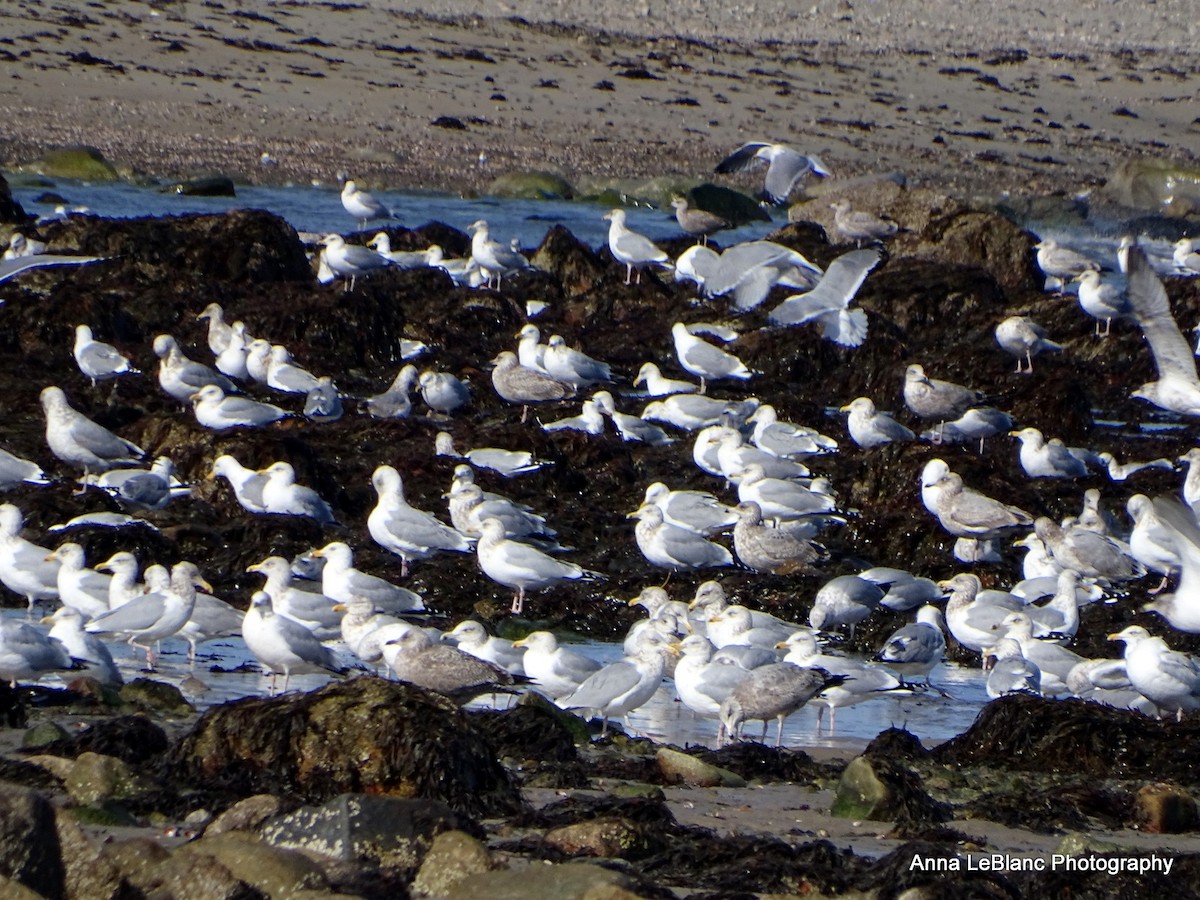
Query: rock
x=680, y=768
x=388, y=831
x=135, y=859
x=80, y=163
x=42, y=734
x=29, y=849
x=274, y=871
x=156, y=696
x=874, y=788
x=568, y=881
x=204, y=186
x=605, y=837
x=1148, y=183
x=10, y=209
x=570, y=261
x=1077, y=844
x=986, y=241
x=531, y=186
x=365, y=735
x=105, y=814
x=134, y=739
x=1164, y=809
x=14, y=890
x=13, y=710
x=453, y=856
x=57, y=766
x=185, y=876
x=246, y=815
x=733, y=206
x=95, y=777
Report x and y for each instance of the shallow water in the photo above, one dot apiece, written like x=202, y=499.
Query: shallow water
x=229, y=672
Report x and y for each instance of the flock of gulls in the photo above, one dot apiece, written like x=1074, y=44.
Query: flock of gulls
x=318, y=613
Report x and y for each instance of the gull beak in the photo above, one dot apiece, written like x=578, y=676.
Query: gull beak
x=520, y=642
x=845, y=408
x=782, y=645
x=632, y=601
x=46, y=620
x=340, y=607
x=203, y=585
x=320, y=553
x=256, y=567
x=673, y=648
x=1116, y=637
x=50, y=557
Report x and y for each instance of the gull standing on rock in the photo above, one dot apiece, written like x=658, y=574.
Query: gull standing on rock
x=870, y=428
x=785, y=167
x=15, y=471
x=98, y=360
x=220, y=332
x=495, y=259
x=699, y=223
x=1062, y=263
x=508, y=463
x=395, y=402
x=518, y=384
x=362, y=205
x=1021, y=337
x=965, y=512
x=1103, y=302
x=284, y=375
x=408, y=532
x=859, y=225
x=520, y=566
x=633, y=250
x=78, y=441
x=443, y=392
x=697, y=511
x=350, y=259
x=704, y=360
x=1040, y=458
x=232, y=360
x=631, y=428
x=216, y=411
x=282, y=496
x=181, y=377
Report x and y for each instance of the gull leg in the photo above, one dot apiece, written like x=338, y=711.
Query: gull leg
x=628, y=273
x=778, y=731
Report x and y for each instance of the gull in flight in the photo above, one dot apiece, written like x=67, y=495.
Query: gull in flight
x=785, y=167
x=1177, y=389
x=829, y=302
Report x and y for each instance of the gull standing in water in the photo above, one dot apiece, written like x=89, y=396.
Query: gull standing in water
x=633, y=250
x=699, y=223
x=621, y=687
x=773, y=691
x=25, y=567
x=556, y=671
x=155, y=617
x=282, y=644
x=785, y=167
x=362, y=205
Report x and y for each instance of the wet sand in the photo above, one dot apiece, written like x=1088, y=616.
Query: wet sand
x=1019, y=103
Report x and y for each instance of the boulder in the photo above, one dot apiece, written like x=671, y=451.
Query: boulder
x=10, y=209
x=42, y=734
x=274, y=871
x=1164, y=809
x=155, y=696
x=365, y=735
x=531, y=186
x=134, y=739
x=388, y=831
x=80, y=163
x=30, y=853
x=89, y=874
x=733, y=206
x=246, y=815
x=875, y=788
x=569, y=260
x=203, y=186
x=608, y=836
x=682, y=768
x=453, y=856
x=95, y=778
x=568, y=881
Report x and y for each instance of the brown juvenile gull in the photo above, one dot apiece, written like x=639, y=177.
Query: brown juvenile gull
x=635, y=251
x=78, y=441
x=785, y=167
x=699, y=223
x=1090, y=554
x=773, y=691
x=931, y=398
x=415, y=658
x=766, y=549
x=1177, y=389
x=859, y=225
x=519, y=384
x=870, y=428
x=1023, y=338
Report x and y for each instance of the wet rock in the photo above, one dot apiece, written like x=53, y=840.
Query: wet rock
x=1164, y=809
x=156, y=696
x=134, y=739
x=570, y=261
x=569, y=881
x=88, y=874
x=984, y=240
x=134, y=860
x=246, y=815
x=1148, y=183
x=29, y=849
x=199, y=875
x=274, y=871
x=453, y=856
x=875, y=788
x=897, y=744
x=10, y=209
x=80, y=163
x=680, y=768
x=531, y=186
x=17, y=891
x=387, y=831
x=204, y=186
x=756, y=762
x=42, y=734
x=538, y=740
x=733, y=206
x=95, y=777
x=605, y=837
x=363, y=735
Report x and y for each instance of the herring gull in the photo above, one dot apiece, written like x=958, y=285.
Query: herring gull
x=671, y=547
x=658, y=385
x=394, y=403
x=773, y=692
x=767, y=549
x=415, y=658
x=1103, y=301
x=443, y=392
x=362, y=205
x=858, y=225
x=282, y=644
x=702, y=359
x=785, y=167
x=556, y=671
x=623, y=686
x=1177, y=389
x=520, y=566
x=1023, y=338
x=214, y=409
x=633, y=250
x=77, y=440
x=870, y=428
x=97, y=360
x=408, y=532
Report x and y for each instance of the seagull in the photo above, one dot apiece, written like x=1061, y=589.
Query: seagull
x=1040, y=458
x=520, y=566
x=859, y=225
x=1182, y=608
x=1103, y=302
x=151, y=488
x=382, y=244
x=394, y=403
x=155, y=616
x=216, y=411
x=699, y=223
x=785, y=439
x=749, y=270
x=98, y=360
x=633, y=250
x=350, y=259
x=282, y=644
x=77, y=440
x=1090, y=554
x=469, y=507
x=341, y=581
x=1118, y=471
x=1021, y=337
x=702, y=683
x=965, y=512
x=181, y=377
x=295, y=598
x=571, y=366
x=415, y=658
x=672, y=547
x=1177, y=389
x=508, y=463
x=518, y=384
x=785, y=167
x=15, y=471
x=531, y=353
x=589, y=421
x=232, y=361
x=692, y=412
x=443, y=392
x=1185, y=256
x=362, y=205
x=247, y=484
x=471, y=637
x=702, y=359
x=977, y=424
x=26, y=568
x=773, y=691
x=27, y=654
x=495, y=259
x=67, y=627
x=555, y=670
x=11, y=268
x=870, y=428
x=220, y=332
x=697, y=511
x=915, y=649
x=930, y=398
x=631, y=428
x=658, y=385
x=623, y=686
x=282, y=496
x=1009, y=672
x=766, y=549
x=284, y=375
x=844, y=600
x=1168, y=679
x=409, y=533
x=323, y=403
x=828, y=303
x=1061, y=262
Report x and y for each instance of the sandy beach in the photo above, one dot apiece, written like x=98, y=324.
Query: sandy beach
x=1008, y=101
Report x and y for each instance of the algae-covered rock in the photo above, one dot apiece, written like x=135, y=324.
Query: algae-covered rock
x=80, y=163
x=135, y=739
x=158, y=696
x=569, y=881
x=274, y=871
x=42, y=734
x=29, y=850
x=680, y=768
x=875, y=788
x=531, y=186
x=95, y=777
x=606, y=837
x=569, y=260
x=365, y=735
x=246, y=815
x=453, y=856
